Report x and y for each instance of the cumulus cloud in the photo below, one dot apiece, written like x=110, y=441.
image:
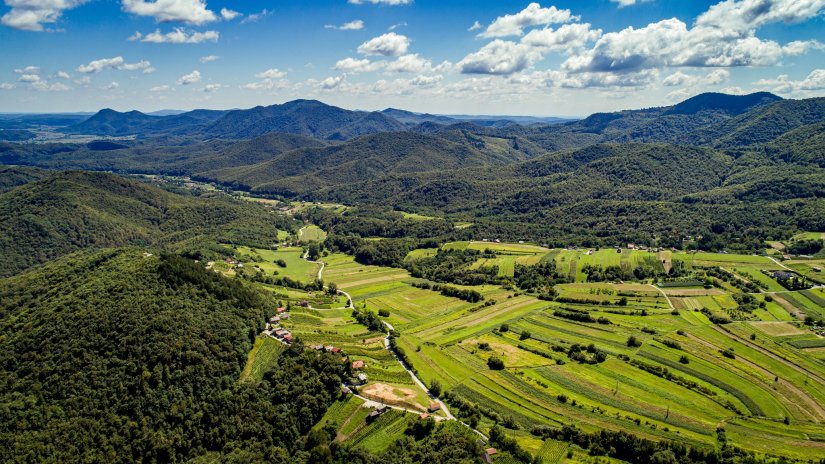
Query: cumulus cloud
x=389, y=44
x=191, y=78
x=567, y=38
x=476, y=26
x=111, y=86
x=500, y=57
x=6, y=86
x=116, y=63
x=533, y=15
x=815, y=81
x=160, y=88
x=228, y=14
x=380, y=2
x=209, y=58
x=355, y=25
x=29, y=78
x=209, y=88
x=271, y=74
x=186, y=11
x=43, y=86
x=356, y=66
x=332, y=83
x=271, y=79
x=28, y=70
x=607, y=80
x=62, y=75
x=177, y=36
x=31, y=15
x=414, y=64
x=679, y=78
x=723, y=36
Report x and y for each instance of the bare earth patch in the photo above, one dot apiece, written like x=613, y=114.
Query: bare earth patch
x=388, y=394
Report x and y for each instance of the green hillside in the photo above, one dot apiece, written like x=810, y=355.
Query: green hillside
x=74, y=210
x=111, y=356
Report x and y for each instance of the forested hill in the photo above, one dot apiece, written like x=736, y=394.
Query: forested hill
x=67, y=211
x=111, y=356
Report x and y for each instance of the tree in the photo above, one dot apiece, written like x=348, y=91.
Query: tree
x=332, y=288
x=313, y=251
x=495, y=363
x=633, y=342
x=435, y=387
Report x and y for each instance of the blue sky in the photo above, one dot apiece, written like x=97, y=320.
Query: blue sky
x=562, y=58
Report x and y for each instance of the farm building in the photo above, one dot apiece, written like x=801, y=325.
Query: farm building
x=424, y=416
x=488, y=455
x=783, y=275
x=358, y=364
x=281, y=310
x=376, y=413
x=288, y=338
x=362, y=378
x=434, y=407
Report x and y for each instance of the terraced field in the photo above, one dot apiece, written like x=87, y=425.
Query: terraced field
x=761, y=379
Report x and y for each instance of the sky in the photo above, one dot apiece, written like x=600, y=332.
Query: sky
x=549, y=58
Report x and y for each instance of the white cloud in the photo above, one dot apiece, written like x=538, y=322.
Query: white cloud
x=715, y=77
x=111, y=86
x=332, y=83
x=191, y=78
x=815, y=81
x=426, y=81
x=84, y=81
x=396, y=26
x=608, y=80
x=676, y=79
x=44, y=86
x=28, y=70
x=389, y=44
x=381, y=2
x=209, y=88
x=356, y=66
x=723, y=36
x=30, y=78
x=228, y=14
x=186, y=11
x=255, y=17
x=414, y=64
x=355, y=25
x=177, y=36
x=62, y=75
x=500, y=57
x=116, y=63
x=5, y=86
x=30, y=15
x=209, y=58
x=533, y=15
x=271, y=74
x=160, y=88
x=624, y=3
x=271, y=79
x=568, y=38
x=476, y=26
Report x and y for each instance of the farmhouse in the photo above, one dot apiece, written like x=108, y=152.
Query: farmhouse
x=362, y=378
x=358, y=364
x=424, y=416
x=288, y=338
x=783, y=275
x=376, y=413
x=434, y=407
x=488, y=455
x=281, y=310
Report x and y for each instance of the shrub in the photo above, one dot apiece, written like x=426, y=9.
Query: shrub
x=524, y=335
x=633, y=342
x=495, y=363
x=684, y=359
x=384, y=312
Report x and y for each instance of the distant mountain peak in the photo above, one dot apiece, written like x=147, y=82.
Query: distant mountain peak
x=731, y=104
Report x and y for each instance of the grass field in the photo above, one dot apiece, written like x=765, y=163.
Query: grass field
x=261, y=358
x=296, y=267
x=311, y=233
x=774, y=370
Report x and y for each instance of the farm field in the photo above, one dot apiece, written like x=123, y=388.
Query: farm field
x=296, y=266
x=311, y=233
x=676, y=383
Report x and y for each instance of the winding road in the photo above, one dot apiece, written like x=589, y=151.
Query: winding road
x=390, y=328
